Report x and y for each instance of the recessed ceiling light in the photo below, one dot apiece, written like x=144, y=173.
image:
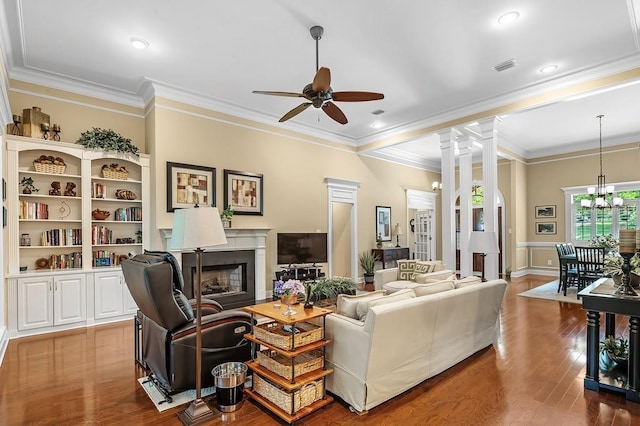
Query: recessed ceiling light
x=548, y=69
x=508, y=18
x=138, y=43
x=377, y=124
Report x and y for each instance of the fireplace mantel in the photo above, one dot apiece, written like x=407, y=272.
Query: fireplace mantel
x=239, y=239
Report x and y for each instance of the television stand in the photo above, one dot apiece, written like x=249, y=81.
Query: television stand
x=302, y=273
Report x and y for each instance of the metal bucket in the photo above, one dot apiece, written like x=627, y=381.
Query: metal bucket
x=229, y=381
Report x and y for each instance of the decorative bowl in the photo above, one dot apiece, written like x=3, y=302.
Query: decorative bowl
x=98, y=214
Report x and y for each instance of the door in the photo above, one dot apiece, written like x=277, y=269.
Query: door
x=108, y=294
x=69, y=299
x=425, y=242
x=35, y=303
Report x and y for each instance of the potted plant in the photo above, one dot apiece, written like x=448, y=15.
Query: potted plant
x=367, y=263
x=108, y=140
x=226, y=216
x=328, y=289
x=617, y=349
x=27, y=183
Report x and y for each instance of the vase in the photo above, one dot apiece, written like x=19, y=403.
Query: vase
x=289, y=300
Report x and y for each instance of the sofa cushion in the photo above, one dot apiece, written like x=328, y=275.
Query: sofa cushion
x=467, y=281
x=395, y=286
x=364, y=305
x=421, y=268
x=346, y=304
x=425, y=289
x=434, y=277
x=405, y=269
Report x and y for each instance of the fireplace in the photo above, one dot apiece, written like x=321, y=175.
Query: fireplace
x=228, y=277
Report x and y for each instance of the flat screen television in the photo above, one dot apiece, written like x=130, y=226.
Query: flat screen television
x=297, y=248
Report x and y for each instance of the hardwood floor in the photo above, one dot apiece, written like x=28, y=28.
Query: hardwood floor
x=533, y=376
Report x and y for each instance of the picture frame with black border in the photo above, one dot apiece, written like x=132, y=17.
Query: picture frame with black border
x=546, y=212
x=383, y=223
x=546, y=228
x=244, y=192
x=189, y=184
x=4, y=190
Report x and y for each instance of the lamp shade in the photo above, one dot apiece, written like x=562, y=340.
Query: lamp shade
x=196, y=228
x=483, y=242
x=397, y=229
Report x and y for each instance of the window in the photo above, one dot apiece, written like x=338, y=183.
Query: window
x=585, y=223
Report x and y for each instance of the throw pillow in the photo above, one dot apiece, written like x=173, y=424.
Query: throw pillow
x=405, y=269
x=439, y=287
x=421, y=268
x=467, y=281
x=434, y=277
x=364, y=305
x=346, y=304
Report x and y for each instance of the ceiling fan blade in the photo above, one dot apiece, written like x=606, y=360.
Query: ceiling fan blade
x=289, y=94
x=334, y=112
x=356, y=96
x=297, y=110
x=322, y=80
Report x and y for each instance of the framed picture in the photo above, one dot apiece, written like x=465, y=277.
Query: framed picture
x=244, y=192
x=4, y=189
x=545, y=228
x=543, y=212
x=188, y=185
x=383, y=223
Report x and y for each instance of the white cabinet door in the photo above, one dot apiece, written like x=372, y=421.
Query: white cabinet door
x=69, y=297
x=130, y=306
x=108, y=294
x=35, y=302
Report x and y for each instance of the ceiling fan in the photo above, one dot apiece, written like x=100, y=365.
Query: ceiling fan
x=320, y=94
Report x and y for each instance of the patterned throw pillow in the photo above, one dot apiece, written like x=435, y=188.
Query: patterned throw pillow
x=405, y=269
x=421, y=268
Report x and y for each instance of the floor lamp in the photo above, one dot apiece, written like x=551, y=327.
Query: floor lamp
x=194, y=229
x=483, y=243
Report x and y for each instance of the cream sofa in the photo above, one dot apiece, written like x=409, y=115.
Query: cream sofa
x=389, y=279
x=404, y=342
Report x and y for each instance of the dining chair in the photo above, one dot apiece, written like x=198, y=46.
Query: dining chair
x=567, y=265
x=590, y=264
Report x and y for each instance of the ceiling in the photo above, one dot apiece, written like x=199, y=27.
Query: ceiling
x=433, y=60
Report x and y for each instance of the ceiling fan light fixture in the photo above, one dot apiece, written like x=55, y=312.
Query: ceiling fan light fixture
x=138, y=43
x=508, y=18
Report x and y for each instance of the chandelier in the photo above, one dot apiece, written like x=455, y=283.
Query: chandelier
x=601, y=196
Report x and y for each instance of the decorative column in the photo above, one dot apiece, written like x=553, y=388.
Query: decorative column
x=489, y=128
x=466, y=207
x=447, y=167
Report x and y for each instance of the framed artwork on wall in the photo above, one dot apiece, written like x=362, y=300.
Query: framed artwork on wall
x=383, y=223
x=545, y=228
x=244, y=192
x=4, y=189
x=188, y=185
x=544, y=212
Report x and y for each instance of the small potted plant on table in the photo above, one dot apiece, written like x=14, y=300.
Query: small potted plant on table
x=226, y=216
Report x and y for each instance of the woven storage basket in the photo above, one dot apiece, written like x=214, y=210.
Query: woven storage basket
x=274, y=334
x=49, y=168
x=306, y=395
x=281, y=365
x=112, y=174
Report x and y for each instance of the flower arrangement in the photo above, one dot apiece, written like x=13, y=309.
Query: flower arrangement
x=289, y=288
x=607, y=241
x=107, y=140
x=613, y=264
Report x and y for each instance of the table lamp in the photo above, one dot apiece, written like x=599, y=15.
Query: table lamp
x=398, y=231
x=483, y=243
x=193, y=229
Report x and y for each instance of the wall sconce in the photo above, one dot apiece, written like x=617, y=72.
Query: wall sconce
x=436, y=186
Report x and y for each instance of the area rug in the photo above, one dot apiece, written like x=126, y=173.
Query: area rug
x=178, y=399
x=549, y=291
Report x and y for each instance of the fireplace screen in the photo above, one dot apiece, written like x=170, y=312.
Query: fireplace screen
x=222, y=279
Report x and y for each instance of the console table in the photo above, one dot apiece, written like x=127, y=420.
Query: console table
x=387, y=254
x=596, y=298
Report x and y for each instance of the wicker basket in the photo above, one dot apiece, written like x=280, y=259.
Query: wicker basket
x=281, y=365
x=112, y=174
x=274, y=334
x=49, y=168
x=306, y=395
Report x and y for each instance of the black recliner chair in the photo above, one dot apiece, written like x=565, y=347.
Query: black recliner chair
x=169, y=326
